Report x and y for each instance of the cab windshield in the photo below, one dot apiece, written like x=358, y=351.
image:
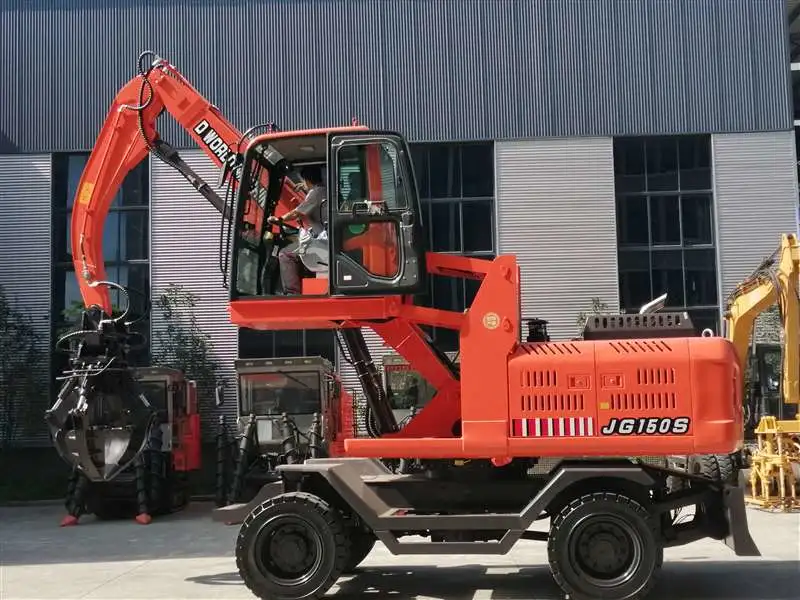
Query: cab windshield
x=406, y=388
x=267, y=168
x=156, y=393
x=252, y=235
x=271, y=394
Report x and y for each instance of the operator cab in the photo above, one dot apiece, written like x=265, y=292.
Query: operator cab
x=374, y=243
x=174, y=399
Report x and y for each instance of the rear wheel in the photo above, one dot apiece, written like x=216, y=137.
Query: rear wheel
x=726, y=464
x=290, y=547
x=111, y=501
x=604, y=546
x=706, y=465
x=717, y=467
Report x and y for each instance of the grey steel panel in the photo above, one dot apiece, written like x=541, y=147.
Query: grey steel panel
x=556, y=212
x=458, y=70
x=755, y=188
x=25, y=248
x=185, y=251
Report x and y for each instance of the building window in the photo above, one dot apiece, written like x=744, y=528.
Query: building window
x=255, y=343
x=665, y=224
x=456, y=188
x=126, y=245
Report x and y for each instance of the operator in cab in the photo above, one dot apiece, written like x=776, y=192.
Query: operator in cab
x=310, y=215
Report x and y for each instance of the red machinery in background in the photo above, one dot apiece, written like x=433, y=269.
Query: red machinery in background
x=155, y=482
x=634, y=386
x=289, y=409
x=102, y=342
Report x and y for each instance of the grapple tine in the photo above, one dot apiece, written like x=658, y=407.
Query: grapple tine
x=101, y=424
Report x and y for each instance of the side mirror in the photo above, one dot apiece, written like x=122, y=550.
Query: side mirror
x=323, y=211
x=654, y=305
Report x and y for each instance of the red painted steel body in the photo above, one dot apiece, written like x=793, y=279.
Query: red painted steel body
x=508, y=393
x=563, y=395
x=541, y=399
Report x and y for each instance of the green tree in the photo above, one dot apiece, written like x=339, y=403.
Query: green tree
x=598, y=308
x=180, y=343
x=23, y=368
x=70, y=318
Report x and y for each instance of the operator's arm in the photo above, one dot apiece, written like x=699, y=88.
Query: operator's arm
x=308, y=206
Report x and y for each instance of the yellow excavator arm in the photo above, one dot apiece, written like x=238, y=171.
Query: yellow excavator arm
x=775, y=281
x=775, y=464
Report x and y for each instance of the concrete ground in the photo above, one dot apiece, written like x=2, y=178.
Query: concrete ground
x=187, y=556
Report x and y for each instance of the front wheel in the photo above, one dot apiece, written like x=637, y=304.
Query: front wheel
x=290, y=547
x=362, y=543
x=604, y=546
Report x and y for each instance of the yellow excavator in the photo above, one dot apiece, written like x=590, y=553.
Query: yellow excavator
x=774, y=462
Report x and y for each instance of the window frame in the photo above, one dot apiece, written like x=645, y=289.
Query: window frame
x=61, y=257
x=624, y=147
x=269, y=342
x=420, y=155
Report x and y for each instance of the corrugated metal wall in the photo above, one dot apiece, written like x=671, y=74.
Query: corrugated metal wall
x=462, y=69
x=25, y=248
x=556, y=212
x=185, y=251
x=755, y=185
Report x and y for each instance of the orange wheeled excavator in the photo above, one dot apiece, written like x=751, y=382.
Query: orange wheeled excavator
x=635, y=385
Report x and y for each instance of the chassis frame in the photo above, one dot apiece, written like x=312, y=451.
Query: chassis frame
x=350, y=484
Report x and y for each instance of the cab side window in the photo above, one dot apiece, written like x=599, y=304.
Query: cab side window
x=370, y=179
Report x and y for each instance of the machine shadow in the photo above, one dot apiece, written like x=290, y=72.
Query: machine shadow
x=775, y=580
x=32, y=536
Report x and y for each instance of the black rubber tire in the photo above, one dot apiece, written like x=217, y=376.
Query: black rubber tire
x=324, y=522
x=726, y=466
x=706, y=465
x=178, y=500
x=108, y=504
x=562, y=554
x=362, y=543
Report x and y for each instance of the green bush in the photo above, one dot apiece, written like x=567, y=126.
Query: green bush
x=180, y=343
x=23, y=374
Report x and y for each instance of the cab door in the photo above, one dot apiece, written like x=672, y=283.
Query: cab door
x=375, y=226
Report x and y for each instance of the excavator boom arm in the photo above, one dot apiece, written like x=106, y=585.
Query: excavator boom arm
x=80, y=422
x=775, y=281
x=128, y=135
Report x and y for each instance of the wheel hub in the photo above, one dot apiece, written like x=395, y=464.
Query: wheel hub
x=289, y=550
x=605, y=550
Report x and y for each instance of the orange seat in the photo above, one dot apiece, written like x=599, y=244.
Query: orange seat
x=315, y=286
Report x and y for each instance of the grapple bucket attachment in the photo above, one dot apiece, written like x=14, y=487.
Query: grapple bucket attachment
x=101, y=422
